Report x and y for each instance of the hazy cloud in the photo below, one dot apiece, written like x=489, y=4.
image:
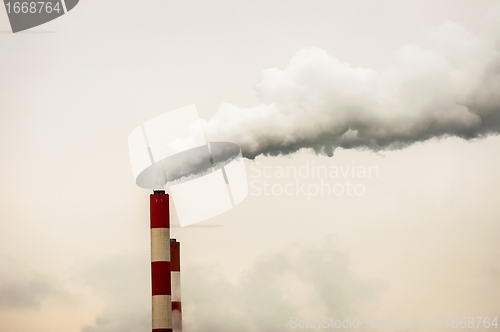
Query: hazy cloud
x=447, y=84
x=301, y=280
x=22, y=287
x=306, y=281
x=124, y=282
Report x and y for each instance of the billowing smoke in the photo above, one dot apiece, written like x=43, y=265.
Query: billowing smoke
x=448, y=84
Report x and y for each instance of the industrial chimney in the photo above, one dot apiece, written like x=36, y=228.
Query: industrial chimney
x=159, y=148
x=175, y=257
x=160, y=261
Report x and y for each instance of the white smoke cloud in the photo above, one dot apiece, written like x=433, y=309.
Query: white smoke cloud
x=447, y=84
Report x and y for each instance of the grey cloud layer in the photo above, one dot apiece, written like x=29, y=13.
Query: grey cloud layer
x=22, y=287
x=301, y=280
x=448, y=84
x=124, y=282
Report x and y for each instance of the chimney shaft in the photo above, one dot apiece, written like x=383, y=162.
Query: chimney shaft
x=160, y=262
x=175, y=254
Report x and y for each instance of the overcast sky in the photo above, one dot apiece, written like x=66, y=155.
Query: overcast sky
x=417, y=240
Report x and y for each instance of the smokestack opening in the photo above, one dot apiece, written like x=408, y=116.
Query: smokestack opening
x=159, y=192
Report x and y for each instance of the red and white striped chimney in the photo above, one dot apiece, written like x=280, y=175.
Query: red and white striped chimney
x=160, y=261
x=175, y=254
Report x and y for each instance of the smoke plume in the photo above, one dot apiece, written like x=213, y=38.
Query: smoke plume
x=447, y=84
